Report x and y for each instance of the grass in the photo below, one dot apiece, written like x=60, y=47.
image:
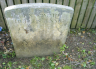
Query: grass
x=9, y=55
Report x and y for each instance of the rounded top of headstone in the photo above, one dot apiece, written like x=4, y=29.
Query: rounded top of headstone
x=37, y=5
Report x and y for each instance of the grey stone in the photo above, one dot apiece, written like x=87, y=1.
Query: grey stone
x=38, y=29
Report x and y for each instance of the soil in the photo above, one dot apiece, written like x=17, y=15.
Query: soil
x=81, y=53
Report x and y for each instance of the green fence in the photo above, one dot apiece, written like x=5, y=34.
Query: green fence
x=84, y=11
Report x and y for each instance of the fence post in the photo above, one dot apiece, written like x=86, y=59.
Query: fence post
x=53, y=1
x=59, y=2
x=38, y=1
x=72, y=3
x=76, y=13
x=66, y=2
x=24, y=1
x=94, y=22
x=3, y=5
x=82, y=12
x=17, y=2
x=87, y=14
x=2, y=23
x=45, y=1
x=92, y=16
x=10, y=2
x=31, y=1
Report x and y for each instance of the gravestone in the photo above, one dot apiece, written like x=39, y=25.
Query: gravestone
x=38, y=29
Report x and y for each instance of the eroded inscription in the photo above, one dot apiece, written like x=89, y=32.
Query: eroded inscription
x=46, y=18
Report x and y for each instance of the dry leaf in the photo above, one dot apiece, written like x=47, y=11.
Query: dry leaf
x=82, y=36
x=70, y=55
x=70, y=59
x=4, y=48
x=7, y=51
x=83, y=32
x=7, y=41
x=28, y=67
x=90, y=61
x=0, y=66
x=56, y=64
x=72, y=50
x=54, y=61
x=81, y=64
x=66, y=56
x=47, y=58
x=80, y=42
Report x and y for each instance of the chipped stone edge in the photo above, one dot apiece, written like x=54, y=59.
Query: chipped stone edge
x=37, y=5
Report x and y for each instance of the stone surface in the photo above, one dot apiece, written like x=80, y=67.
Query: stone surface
x=38, y=29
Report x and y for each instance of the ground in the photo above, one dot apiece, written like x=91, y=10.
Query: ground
x=79, y=52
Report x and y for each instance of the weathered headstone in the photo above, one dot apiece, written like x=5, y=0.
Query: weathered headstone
x=38, y=29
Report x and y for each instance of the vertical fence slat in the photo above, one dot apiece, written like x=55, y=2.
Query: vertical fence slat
x=10, y=2
x=38, y=1
x=45, y=1
x=87, y=14
x=2, y=20
x=92, y=16
x=3, y=6
x=17, y=2
x=53, y=1
x=76, y=13
x=94, y=22
x=66, y=2
x=83, y=9
x=31, y=1
x=59, y=2
x=24, y=1
x=72, y=3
